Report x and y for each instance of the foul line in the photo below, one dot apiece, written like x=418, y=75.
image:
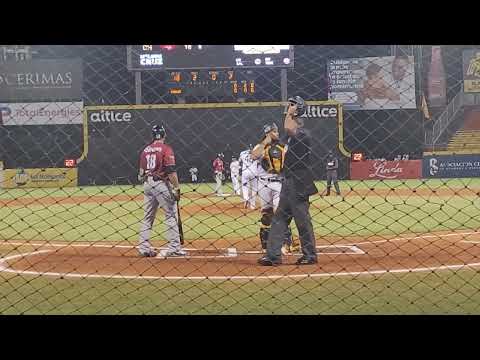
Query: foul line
x=113, y=246
x=46, y=243
x=3, y=268
x=412, y=238
x=355, y=250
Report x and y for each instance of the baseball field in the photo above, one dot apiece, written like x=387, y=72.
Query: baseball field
x=385, y=247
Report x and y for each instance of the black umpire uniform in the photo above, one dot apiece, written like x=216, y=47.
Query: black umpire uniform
x=294, y=203
x=332, y=176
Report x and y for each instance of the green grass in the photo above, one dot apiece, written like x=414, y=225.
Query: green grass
x=355, y=215
x=332, y=216
x=440, y=292
x=208, y=188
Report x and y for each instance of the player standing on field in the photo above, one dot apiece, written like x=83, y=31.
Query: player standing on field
x=235, y=174
x=193, y=173
x=332, y=167
x=249, y=168
x=161, y=189
x=271, y=154
x=218, y=168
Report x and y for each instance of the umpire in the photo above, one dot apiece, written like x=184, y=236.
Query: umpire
x=332, y=167
x=297, y=187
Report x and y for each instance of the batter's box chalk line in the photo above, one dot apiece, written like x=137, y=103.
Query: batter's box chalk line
x=229, y=253
x=323, y=250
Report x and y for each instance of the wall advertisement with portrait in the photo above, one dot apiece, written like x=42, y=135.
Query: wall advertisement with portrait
x=373, y=83
x=471, y=71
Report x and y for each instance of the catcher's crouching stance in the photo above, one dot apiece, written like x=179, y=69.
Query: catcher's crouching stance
x=271, y=154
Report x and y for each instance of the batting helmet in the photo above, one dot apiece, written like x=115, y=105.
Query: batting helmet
x=269, y=127
x=158, y=132
x=301, y=106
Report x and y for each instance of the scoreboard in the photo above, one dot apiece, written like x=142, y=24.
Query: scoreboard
x=195, y=57
x=212, y=83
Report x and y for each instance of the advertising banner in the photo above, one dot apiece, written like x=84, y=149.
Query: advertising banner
x=118, y=133
x=373, y=83
x=56, y=113
x=46, y=79
x=451, y=166
x=437, y=82
x=378, y=170
x=471, y=71
x=38, y=178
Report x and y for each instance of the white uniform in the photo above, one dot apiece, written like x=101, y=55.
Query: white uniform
x=193, y=173
x=269, y=188
x=235, y=173
x=1, y=174
x=249, y=178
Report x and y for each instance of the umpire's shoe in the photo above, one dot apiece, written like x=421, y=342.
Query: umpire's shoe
x=150, y=253
x=306, y=261
x=266, y=261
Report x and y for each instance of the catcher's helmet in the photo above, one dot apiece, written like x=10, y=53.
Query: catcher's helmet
x=158, y=132
x=301, y=106
x=269, y=127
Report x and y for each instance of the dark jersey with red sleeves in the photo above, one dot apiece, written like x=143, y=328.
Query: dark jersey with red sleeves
x=156, y=159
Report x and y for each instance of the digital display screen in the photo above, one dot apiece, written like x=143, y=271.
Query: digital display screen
x=220, y=82
x=357, y=156
x=70, y=163
x=171, y=57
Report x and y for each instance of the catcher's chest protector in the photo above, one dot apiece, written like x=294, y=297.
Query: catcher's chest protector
x=274, y=157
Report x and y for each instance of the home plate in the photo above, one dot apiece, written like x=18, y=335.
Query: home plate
x=232, y=252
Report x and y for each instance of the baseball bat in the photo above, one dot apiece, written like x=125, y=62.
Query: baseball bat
x=179, y=223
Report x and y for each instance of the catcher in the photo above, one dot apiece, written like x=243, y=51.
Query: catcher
x=270, y=152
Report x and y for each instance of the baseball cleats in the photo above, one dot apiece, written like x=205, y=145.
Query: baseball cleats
x=266, y=261
x=172, y=253
x=150, y=253
x=306, y=261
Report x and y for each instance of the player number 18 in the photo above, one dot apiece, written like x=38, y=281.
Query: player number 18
x=151, y=160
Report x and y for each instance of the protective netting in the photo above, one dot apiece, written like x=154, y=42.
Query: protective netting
x=396, y=234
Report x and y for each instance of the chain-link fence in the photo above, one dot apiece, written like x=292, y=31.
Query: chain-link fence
x=397, y=125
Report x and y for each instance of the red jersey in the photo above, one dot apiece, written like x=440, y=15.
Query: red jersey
x=217, y=165
x=155, y=158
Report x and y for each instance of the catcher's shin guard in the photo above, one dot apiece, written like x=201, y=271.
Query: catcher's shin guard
x=288, y=237
x=266, y=222
x=264, y=231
